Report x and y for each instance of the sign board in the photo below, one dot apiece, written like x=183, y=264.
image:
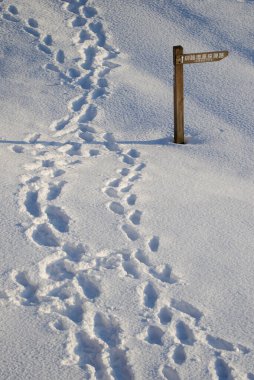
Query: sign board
x=211, y=56
x=179, y=59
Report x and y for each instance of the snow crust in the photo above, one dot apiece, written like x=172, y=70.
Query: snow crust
x=123, y=255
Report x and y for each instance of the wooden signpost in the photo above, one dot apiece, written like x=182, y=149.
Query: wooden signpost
x=179, y=60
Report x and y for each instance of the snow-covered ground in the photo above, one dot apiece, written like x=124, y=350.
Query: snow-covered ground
x=123, y=255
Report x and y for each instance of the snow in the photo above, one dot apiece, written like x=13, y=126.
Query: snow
x=124, y=255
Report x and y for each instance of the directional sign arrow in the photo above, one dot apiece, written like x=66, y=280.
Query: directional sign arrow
x=211, y=56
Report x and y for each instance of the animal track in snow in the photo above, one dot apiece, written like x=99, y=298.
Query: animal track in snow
x=60, y=56
x=170, y=373
x=150, y=295
x=58, y=218
x=184, y=333
x=31, y=203
x=43, y=235
x=186, y=308
x=18, y=149
x=219, y=344
x=54, y=190
x=106, y=329
x=29, y=291
x=117, y=208
x=154, y=335
x=135, y=217
x=165, y=315
x=130, y=232
x=130, y=267
x=222, y=370
x=90, y=288
x=164, y=274
x=154, y=244
x=131, y=199
x=90, y=353
x=179, y=355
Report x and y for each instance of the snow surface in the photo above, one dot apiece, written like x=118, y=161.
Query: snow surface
x=123, y=255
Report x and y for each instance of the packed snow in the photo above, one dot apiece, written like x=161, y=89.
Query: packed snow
x=124, y=255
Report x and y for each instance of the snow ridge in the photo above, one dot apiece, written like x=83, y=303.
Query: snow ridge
x=66, y=284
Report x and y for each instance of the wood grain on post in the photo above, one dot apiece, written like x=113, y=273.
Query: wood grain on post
x=178, y=97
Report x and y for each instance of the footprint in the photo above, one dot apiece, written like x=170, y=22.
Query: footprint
x=110, y=192
x=33, y=23
x=97, y=28
x=85, y=82
x=58, y=271
x=186, y=308
x=48, y=40
x=135, y=217
x=61, y=124
x=44, y=48
x=133, y=153
x=154, y=335
x=141, y=257
x=78, y=22
x=83, y=36
x=170, y=373
x=60, y=56
x=165, y=315
x=128, y=160
x=106, y=329
x=13, y=10
x=87, y=136
x=94, y=152
x=43, y=235
x=58, y=218
x=223, y=371
x=73, y=73
x=89, y=115
x=117, y=208
x=150, y=296
x=134, y=178
x=9, y=17
x=99, y=93
x=89, y=287
x=31, y=203
x=130, y=232
x=219, y=344
x=75, y=252
x=62, y=292
x=126, y=189
x=18, y=149
x=124, y=172
x=32, y=31
x=89, y=351
x=131, y=269
x=75, y=150
x=154, y=244
x=74, y=313
x=78, y=104
x=140, y=167
x=184, y=333
x=29, y=292
x=131, y=200
x=179, y=355
x=55, y=190
x=119, y=364
x=90, y=54
x=115, y=182
x=90, y=12
x=164, y=274
x=110, y=143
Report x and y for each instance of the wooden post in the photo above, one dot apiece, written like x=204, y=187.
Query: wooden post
x=178, y=97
